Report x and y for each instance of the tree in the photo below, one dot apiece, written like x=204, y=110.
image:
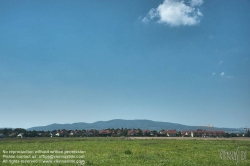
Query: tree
x=34, y=133
x=125, y=132
x=19, y=130
x=6, y=131
x=140, y=132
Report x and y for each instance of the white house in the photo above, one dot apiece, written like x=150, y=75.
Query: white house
x=20, y=135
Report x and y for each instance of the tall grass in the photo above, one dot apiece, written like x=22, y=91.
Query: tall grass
x=116, y=151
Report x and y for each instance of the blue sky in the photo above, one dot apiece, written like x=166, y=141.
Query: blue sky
x=185, y=62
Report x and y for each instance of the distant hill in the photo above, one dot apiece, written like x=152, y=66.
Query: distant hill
x=130, y=124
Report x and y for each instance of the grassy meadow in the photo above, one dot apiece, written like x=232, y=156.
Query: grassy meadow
x=121, y=151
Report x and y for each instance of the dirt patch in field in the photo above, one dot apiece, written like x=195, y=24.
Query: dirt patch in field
x=193, y=138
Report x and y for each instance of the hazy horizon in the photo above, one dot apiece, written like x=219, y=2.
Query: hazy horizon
x=130, y=119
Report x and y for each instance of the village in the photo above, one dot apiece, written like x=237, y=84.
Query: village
x=123, y=132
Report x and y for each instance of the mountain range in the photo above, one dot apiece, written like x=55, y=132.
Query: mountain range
x=129, y=124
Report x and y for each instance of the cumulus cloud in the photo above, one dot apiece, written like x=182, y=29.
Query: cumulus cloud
x=176, y=13
x=222, y=73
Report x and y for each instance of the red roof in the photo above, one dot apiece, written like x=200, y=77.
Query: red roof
x=171, y=131
x=104, y=131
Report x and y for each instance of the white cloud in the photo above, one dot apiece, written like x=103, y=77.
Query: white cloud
x=222, y=74
x=176, y=13
x=213, y=73
x=196, y=2
x=151, y=14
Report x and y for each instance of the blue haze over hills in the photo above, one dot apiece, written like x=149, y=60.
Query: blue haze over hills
x=129, y=124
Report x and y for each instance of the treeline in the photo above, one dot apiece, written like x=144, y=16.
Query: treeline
x=19, y=132
x=110, y=132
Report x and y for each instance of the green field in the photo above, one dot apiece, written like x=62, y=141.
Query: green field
x=121, y=151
